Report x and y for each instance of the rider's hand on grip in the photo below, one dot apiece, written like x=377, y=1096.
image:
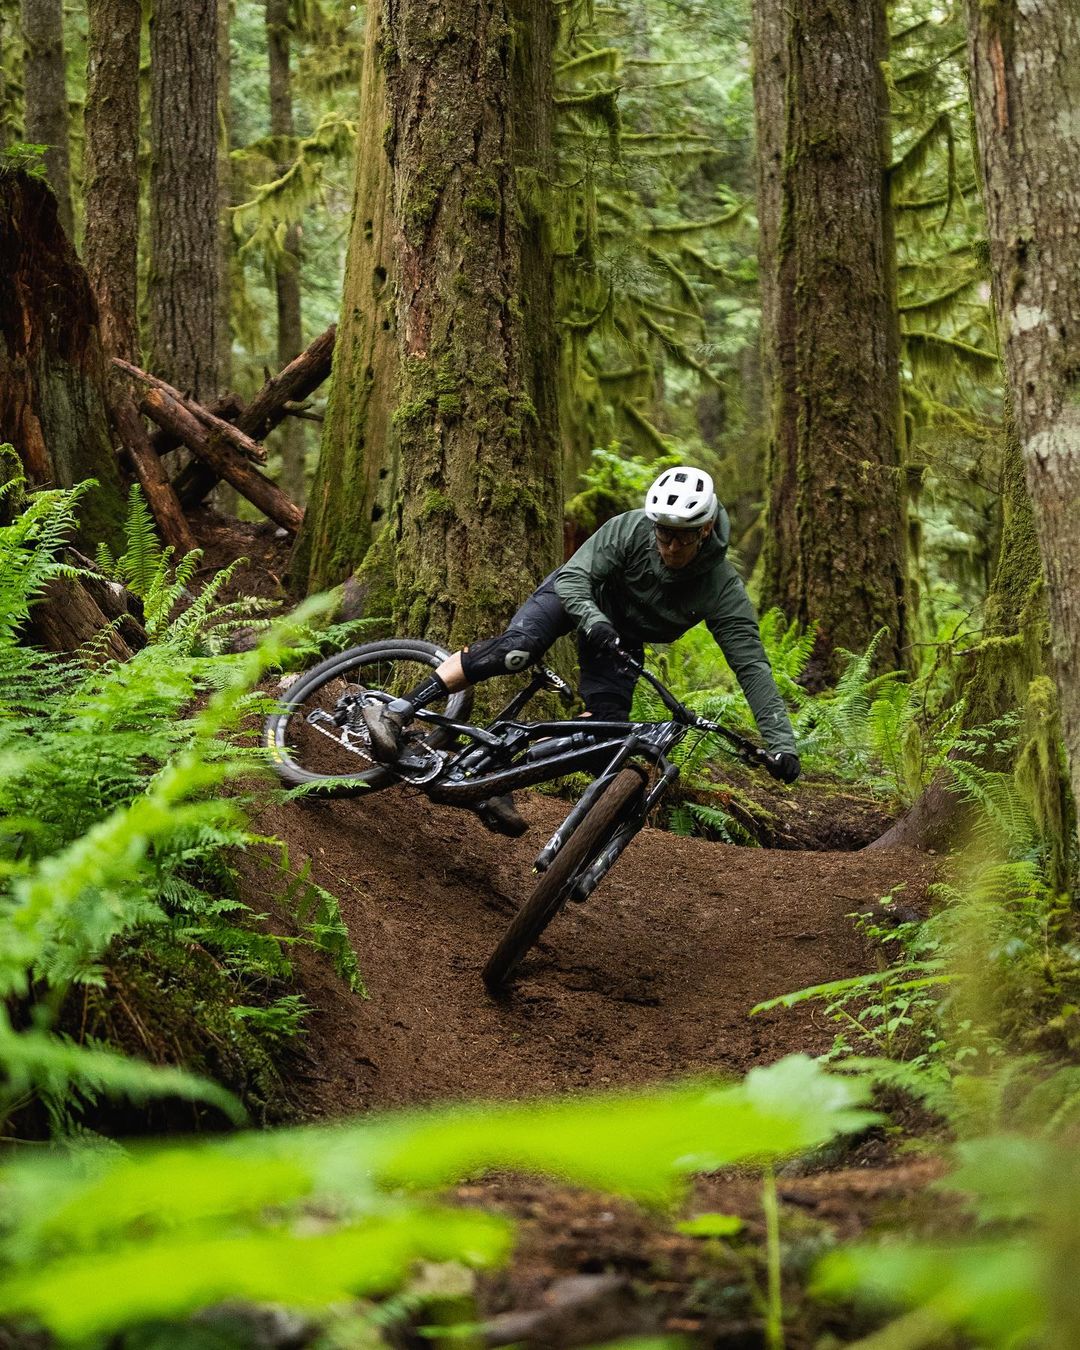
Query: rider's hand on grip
x=602, y=637
x=784, y=766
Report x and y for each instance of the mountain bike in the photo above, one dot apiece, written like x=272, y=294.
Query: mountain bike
x=317, y=740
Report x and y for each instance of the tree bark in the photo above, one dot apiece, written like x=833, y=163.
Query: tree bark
x=184, y=268
x=835, y=538
x=45, y=90
x=226, y=462
x=356, y=479
x=290, y=336
x=472, y=443
x=769, y=28
x=1025, y=81
x=111, y=170
x=5, y=90
x=53, y=377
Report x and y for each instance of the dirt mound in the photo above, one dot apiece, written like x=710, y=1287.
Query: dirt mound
x=653, y=977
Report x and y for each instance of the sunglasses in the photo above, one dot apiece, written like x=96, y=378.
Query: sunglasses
x=676, y=538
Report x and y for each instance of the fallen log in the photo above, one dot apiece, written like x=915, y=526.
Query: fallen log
x=226, y=462
x=160, y=494
x=227, y=431
x=270, y=406
x=228, y=408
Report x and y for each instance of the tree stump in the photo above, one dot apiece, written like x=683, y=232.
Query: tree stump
x=53, y=390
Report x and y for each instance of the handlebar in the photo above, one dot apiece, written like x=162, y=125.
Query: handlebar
x=741, y=746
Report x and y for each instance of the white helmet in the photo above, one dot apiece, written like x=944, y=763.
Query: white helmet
x=681, y=499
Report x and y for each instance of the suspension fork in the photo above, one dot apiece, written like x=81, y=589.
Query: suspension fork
x=581, y=808
x=588, y=881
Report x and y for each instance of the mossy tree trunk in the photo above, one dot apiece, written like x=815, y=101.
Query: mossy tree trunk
x=453, y=389
x=184, y=330
x=45, y=91
x=835, y=538
x=290, y=336
x=53, y=406
x=356, y=478
x=1025, y=81
x=111, y=169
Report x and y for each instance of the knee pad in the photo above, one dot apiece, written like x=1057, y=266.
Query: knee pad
x=503, y=655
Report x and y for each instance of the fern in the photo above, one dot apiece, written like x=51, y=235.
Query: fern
x=117, y=815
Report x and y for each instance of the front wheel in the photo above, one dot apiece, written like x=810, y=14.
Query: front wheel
x=317, y=735
x=617, y=804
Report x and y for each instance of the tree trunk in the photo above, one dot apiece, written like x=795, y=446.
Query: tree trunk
x=46, y=97
x=5, y=86
x=53, y=405
x=1025, y=79
x=290, y=335
x=111, y=170
x=835, y=539
x=356, y=478
x=770, y=87
x=476, y=518
x=184, y=268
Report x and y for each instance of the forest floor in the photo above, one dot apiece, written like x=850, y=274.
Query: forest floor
x=652, y=979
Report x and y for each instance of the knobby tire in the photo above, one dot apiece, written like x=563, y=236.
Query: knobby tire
x=301, y=690
x=583, y=846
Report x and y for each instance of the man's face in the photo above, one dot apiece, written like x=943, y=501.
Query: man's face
x=677, y=548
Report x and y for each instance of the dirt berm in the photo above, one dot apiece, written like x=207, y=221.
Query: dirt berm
x=653, y=977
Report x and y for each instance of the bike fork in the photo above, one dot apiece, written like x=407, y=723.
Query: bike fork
x=581, y=808
x=588, y=881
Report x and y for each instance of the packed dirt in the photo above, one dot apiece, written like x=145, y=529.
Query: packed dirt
x=654, y=977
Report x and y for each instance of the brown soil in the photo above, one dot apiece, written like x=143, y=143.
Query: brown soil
x=653, y=978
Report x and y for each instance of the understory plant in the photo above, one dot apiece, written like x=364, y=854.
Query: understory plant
x=318, y=1219
x=128, y=950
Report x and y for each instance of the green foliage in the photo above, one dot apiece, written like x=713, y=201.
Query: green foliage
x=614, y=482
x=23, y=157
x=1010, y=1284
x=115, y=826
x=93, y=1243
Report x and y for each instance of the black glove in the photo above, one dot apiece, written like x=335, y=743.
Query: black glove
x=785, y=766
x=602, y=637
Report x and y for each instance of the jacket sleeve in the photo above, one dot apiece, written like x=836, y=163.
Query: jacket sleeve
x=734, y=625
x=578, y=580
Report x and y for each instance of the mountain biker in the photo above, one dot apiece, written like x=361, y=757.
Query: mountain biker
x=647, y=575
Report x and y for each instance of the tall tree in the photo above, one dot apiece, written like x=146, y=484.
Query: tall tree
x=290, y=334
x=184, y=268
x=46, y=121
x=1025, y=82
x=445, y=383
x=111, y=170
x=834, y=547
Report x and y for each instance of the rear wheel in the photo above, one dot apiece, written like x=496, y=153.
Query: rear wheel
x=317, y=733
x=615, y=806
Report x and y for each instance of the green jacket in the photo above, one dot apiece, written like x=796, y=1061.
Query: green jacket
x=617, y=576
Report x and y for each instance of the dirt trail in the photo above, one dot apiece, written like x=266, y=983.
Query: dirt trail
x=652, y=978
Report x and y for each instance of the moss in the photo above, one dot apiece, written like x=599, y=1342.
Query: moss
x=437, y=504
x=483, y=198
